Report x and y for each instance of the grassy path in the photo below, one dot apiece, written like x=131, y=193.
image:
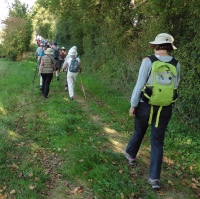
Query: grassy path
x=58, y=148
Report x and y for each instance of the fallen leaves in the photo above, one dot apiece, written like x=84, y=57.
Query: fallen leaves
x=3, y=194
x=2, y=189
x=170, y=183
x=31, y=187
x=121, y=171
x=196, y=185
x=76, y=190
x=13, y=192
x=73, y=189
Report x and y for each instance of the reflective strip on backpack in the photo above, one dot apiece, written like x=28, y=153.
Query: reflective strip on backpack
x=151, y=115
x=157, y=117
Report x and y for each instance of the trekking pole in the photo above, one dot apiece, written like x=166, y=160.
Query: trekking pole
x=83, y=89
x=35, y=73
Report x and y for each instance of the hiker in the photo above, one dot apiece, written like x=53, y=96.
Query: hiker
x=73, y=66
x=38, y=50
x=55, y=55
x=68, y=56
x=62, y=56
x=38, y=54
x=47, y=68
x=39, y=61
x=143, y=108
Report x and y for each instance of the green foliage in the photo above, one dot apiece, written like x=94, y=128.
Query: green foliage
x=112, y=39
x=17, y=33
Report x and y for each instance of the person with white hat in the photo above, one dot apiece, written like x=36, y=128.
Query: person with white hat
x=73, y=66
x=47, y=68
x=141, y=109
x=68, y=56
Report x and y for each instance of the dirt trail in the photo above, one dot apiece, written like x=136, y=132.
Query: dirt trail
x=117, y=143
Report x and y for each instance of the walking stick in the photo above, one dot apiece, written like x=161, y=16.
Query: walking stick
x=83, y=89
x=35, y=73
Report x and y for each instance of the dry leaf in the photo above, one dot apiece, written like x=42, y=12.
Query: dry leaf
x=12, y=192
x=30, y=175
x=132, y=194
x=2, y=189
x=77, y=190
x=170, y=182
x=195, y=180
x=37, y=179
x=3, y=196
x=31, y=187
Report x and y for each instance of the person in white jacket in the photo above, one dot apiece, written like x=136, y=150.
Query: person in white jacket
x=72, y=73
x=68, y=56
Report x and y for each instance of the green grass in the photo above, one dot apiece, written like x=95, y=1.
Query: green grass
x=46, y=144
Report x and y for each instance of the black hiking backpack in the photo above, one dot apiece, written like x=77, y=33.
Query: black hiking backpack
x=55, y=53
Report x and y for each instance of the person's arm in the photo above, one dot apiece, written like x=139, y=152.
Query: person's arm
x=39, y=58
x=65, y=66
x=178, y=67
x=40, y=68
x=132, y=111
x=144, y=71
x=54, y=65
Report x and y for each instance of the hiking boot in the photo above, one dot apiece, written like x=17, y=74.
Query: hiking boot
x=130, y=159
x=155, y=183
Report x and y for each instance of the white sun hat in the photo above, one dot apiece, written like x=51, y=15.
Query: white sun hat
x=49, y=51
x=164, y=38
x=72, y=52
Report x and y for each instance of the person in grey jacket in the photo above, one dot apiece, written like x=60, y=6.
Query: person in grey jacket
x=47, y=68
x=162, y=46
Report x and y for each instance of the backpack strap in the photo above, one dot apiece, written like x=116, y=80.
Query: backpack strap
x=157, y=117
x=153, y=58
x=173, y=61
x=50, y=59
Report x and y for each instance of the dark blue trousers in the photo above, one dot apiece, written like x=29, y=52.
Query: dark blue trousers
x=46, y=80
x=157, y=135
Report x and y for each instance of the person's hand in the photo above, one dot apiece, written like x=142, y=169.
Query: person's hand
x=132, y=111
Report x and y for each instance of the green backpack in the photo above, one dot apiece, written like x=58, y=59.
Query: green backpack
x=160, y=89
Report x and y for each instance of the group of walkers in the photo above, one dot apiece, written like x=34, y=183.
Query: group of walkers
x=51, y=61
x=151, y=101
